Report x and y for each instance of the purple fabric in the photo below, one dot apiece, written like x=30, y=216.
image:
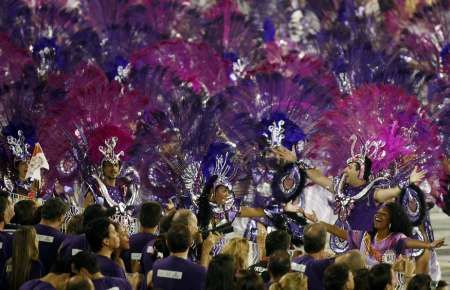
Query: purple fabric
x=313, y=269
x=36, y=285
x=72, y=245
x=36, y=270
x=147, y=257
x=6, y=241
x=173, y=273
x=50, y=240
x=106, y=283
x=137, y=244
x=377, y=251
x=109, y=268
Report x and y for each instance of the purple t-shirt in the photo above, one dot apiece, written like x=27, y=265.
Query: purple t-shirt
x=107, y=283
x=72, y=245
x=137, y=244
x=6, y=244
x=174, y=273
x=312, y=268
x=148, y=257
x=50, y=240
x=109, y=268
x=36, y=285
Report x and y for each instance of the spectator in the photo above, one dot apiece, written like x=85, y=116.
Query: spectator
x=276, y=240
x=149, y=218
x=279, y=264
x=361, y=278
x=124, y=245
x=249, y=280
x=381, y=277
x=24, y=264
x=420, y=282
x=291, y=281
x=176, y=271
x=80, y=283
x=24, y=212
x=239, y=249
x=103, y=239
x=6, y=240
x=75, y=225
x=338, y=277
x=49, y=235
x=221, y=273
x=85, y=264
x=442, y=285
x=56, y=279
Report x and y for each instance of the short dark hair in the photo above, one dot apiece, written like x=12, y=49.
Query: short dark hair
x=361, y=278
x=249, y=280
x=314, y=238
x=279, y=264
x=380, y=276
x=54, y=208
x=60, y=267
x=150, y=214
x=24, y=211
x=441, y=284
x=4, y=203
x=335, y=277
x=221, y=271
x=277, y=240
x=178, y=238
x=367, y=168
x=96, y=232
x=86, y=260
x=95, y=211
x=420, y=282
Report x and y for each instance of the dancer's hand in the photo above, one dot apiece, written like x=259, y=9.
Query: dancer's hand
x=211, y=240
x=437, y=243
x=285, y=154
x=311, y=216
x=416, y=176
x=291, y=207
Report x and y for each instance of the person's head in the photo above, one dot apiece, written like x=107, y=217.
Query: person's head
x=150, y=214
x=314, y=238
x=357, y=170
x=80, y=283
x=110, y=170
x=25, y=250
x=279, y=264
x=392, y=216
x=22, y=168
x=361, y=278
x=75, y=225
x=277, y=240
x=85, y=263
x=101, y=233
x=94, y=212
x=239, y=249
x=354, y=260
x=381, y=277
x=442, y=285
x=179, y=238
x=249, y=280
x=221, y=271
x=6, y=210
x=54, y=210
x=187, y=218
x=123, y=236
x=220, y=194
x=420, y=282
x=24, y=212
x=291, y=281
x=338, y=277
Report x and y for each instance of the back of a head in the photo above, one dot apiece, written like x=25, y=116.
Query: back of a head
x=293, y=281
x=75, y=225
x=442, y=285
x=420, y=282
x=380, y=276
x=86, y=260
x=54, y=209
x=362, y=279
x=24, y=251
x=182, y=216
x=279, y=264
x=150, y=214
x=96, y=232
x=178, y=238
x=95, y=211
x=249, y=280
x=78, y=282
x=221, y=271
x=24, y=212
x=277, y=240
x=314, y=238
x=354, y=260
x=239, y=249
x=335, y=277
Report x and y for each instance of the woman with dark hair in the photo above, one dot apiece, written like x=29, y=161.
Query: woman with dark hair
x=220, y=275
x=249, y=280
x=420, y=282
x=388, y=239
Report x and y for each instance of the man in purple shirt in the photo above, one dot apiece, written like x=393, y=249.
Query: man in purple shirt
x=48, y=231
x=103, y=239
x=77, y=243
x=56, y=279
x=149, y=217
x=176, y=271
x=85, y=264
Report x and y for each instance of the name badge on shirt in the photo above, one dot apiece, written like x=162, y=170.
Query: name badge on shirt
x=298, y=267
x=113, y=288
x=169, y=274
x=136, y=256
x=45, y=239
x=150, y=250
x=1, y=245
x=75, y=251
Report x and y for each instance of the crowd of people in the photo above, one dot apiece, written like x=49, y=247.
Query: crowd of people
x=170, y=252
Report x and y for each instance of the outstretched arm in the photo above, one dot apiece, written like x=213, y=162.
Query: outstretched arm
x=416, y=244
x=332, y=229
x=251, y=212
